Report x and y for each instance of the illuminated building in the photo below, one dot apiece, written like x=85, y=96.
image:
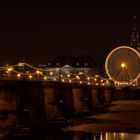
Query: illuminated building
x=72, y=65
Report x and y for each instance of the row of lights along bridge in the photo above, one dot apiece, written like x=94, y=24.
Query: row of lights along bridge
x=24, y=71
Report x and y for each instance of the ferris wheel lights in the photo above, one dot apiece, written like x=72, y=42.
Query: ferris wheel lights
x=116, y=65
x=123, y=65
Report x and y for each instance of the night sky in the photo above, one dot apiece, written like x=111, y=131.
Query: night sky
x=40, y=31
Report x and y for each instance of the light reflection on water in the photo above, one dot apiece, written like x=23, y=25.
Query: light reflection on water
x=59, y=135
x=90, y=136
x=116, y=136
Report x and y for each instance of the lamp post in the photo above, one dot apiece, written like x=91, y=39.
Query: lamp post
x=18, y=76
x=9, y=70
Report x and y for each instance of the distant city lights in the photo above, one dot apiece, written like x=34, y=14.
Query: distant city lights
x=29, y=72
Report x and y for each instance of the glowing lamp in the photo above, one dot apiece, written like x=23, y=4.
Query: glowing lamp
x=123, y=65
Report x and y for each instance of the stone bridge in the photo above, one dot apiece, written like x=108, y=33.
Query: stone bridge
x=39, y=102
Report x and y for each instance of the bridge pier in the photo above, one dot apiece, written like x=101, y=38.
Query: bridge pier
x=58, y=100
x=95, y=100
x=82, y=98
x=50, y=96
x=23, y=100
x=107, y=95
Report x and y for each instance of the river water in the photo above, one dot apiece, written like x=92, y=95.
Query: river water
x=93, y=136
x=124, y=116
x=60, y=135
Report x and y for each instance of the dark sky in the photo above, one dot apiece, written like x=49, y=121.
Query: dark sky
x=40, y=31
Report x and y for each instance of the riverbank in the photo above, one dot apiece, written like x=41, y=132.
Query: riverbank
x=123, y=116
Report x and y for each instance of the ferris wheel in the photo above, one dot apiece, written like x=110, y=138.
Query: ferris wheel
x=123, y=64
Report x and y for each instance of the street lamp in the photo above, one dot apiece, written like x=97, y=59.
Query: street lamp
x=9, y=70
x=77, y=77
x=18, y=76
x=45, y=78
x=68, y=75
x=51, y=73
x=88, y=78
x=30, y=77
